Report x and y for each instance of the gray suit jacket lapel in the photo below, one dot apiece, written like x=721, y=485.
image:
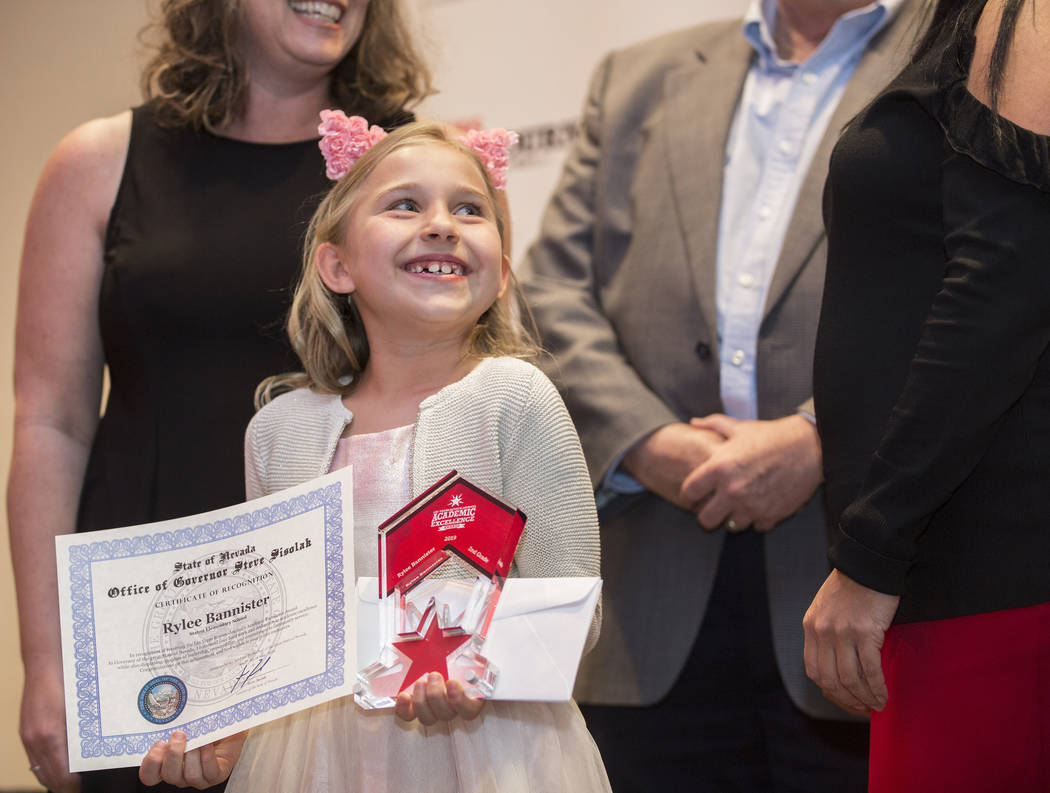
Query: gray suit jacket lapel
x=882, y=60
x=696, y=151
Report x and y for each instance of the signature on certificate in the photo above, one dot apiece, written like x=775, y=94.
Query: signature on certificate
x=247, y=674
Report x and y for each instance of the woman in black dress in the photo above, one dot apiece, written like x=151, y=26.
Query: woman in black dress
x=932, y=388
x=164, y=242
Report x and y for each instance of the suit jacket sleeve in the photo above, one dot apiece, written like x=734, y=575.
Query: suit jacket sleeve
x=611, y=405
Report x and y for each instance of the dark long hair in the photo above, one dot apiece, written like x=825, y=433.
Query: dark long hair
x=951, y=19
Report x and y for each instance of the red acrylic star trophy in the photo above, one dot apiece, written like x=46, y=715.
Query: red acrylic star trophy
x=432, y=620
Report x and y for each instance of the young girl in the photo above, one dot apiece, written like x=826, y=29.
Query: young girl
x=402, y=322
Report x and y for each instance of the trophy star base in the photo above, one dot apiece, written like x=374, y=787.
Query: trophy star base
x=450, y=651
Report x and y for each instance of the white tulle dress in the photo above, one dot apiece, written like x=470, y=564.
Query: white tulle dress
x=512, y=747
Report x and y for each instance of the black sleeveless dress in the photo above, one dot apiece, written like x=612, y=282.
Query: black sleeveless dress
x=201, y=255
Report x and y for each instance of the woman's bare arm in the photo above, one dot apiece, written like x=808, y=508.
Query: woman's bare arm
x=58, y=384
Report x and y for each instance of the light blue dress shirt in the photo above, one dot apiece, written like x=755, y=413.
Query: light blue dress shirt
x=782, y=116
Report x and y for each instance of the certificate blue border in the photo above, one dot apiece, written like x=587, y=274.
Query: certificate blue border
x=81, y=557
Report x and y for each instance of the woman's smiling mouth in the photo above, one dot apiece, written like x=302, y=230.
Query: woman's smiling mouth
x=317, y=9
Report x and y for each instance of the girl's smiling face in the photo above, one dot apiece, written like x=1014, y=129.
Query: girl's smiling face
x=422, y=253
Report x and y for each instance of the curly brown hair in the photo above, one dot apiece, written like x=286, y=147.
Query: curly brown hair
x=197, y=77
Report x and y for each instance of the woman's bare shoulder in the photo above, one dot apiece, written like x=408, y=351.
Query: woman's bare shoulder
x=1025, y=94
x=101, y=143
x=88, y=162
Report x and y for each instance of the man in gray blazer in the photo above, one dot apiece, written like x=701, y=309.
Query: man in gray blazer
x=677, y=282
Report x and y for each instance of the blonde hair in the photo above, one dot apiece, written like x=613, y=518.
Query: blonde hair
x=197, y=76
x=325, y=328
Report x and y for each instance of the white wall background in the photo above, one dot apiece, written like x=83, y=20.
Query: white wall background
x=526, y=66
x=520, y=65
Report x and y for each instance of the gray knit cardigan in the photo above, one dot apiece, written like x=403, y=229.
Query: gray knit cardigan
x=503, y=426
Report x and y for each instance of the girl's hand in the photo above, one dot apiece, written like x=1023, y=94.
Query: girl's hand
x=168, y=761
x=433, y=700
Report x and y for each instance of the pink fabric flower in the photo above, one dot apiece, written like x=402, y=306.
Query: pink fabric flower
x=344, y=139
x=492, y=146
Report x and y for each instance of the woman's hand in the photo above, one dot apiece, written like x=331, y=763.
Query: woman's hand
x=168, y=761
x=845, y=627
x=433, y=700
x=43, y=731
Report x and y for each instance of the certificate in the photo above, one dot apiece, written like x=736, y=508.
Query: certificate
x=208, y=624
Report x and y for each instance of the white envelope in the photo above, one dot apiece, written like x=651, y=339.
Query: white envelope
x=535, y=640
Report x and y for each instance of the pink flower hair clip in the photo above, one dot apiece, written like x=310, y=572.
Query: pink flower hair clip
x=492, y=146
x=344, y=140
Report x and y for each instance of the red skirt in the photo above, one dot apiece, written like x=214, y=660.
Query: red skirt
x=969, y=706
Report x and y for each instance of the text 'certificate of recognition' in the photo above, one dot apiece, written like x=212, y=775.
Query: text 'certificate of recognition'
x=209, y=624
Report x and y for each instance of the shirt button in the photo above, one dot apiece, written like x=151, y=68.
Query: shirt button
x=786, y=146
x=738, y=358
x=746, y=280
x=809, y=78
x=764, y=213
